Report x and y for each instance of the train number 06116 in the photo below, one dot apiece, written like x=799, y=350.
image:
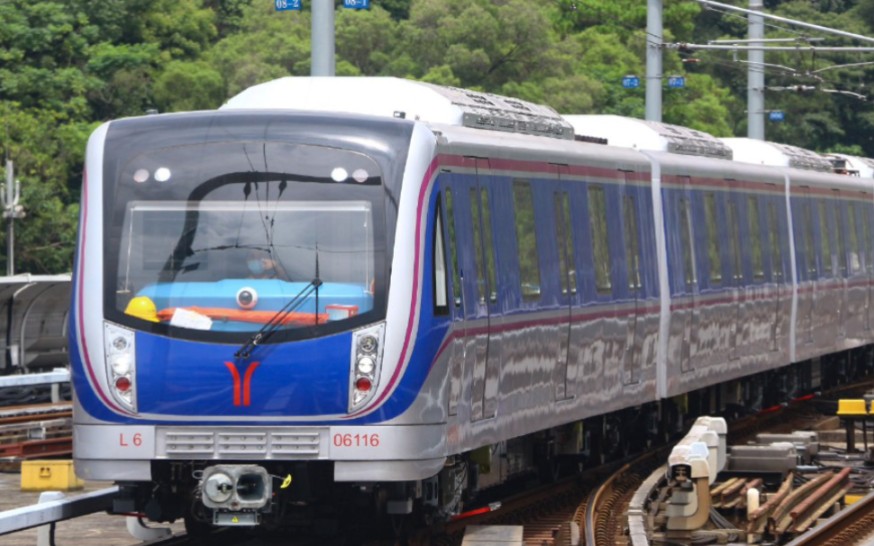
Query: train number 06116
x=356, y=440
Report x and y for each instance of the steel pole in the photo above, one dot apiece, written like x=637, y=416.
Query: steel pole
x=10, y=219
x=654, y=60
x=322, y=38
x=756, y=74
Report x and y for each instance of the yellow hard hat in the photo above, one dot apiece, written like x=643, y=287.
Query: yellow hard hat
x=142, y=307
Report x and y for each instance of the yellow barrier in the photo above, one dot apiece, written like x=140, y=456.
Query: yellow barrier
x=49, y=475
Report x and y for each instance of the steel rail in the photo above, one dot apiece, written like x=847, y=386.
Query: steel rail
x=831, y=530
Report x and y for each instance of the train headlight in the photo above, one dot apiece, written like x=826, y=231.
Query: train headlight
x=120, y=364
x=365, y=365
x=120, y=358
x=368, y=344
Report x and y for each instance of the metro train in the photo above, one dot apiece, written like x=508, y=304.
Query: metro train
x=463, y=288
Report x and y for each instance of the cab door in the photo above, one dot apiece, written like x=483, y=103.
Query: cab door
x=479, y=287
x=487, y=210
x=455, y=303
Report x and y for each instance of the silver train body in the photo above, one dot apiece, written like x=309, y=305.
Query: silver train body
x=532, y=297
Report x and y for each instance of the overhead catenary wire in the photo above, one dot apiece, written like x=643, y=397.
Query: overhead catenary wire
x=801, y=73
x=789, y=21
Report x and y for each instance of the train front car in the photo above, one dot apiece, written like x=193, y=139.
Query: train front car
x=233, y=353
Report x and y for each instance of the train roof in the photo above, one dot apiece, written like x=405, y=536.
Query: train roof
x=641, y=134
x=405, y=99
x=465, y=141
x=760, y=152
x=862, y=167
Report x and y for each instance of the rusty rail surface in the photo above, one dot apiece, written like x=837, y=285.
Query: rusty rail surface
x=852, y=525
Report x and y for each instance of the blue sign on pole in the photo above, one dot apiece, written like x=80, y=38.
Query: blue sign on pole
x=776, y=115
x=356, y=4
x=631, y=82
x=286, y=5
x=677, y=82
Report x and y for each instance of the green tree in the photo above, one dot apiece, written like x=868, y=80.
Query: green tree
x=483, y=44
x=182, y=29
x=189, y=85
x=366, y=39
x=269, y=45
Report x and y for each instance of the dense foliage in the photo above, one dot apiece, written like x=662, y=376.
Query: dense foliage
x=68, y=65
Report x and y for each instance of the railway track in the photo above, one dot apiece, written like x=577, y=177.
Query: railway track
x=592, y=504
x=602, y=517
x=34, y=431
x=853, y=525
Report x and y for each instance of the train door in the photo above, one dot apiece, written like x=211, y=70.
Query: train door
x=631, y=239
x=456, y=298
x=567, y=281
x=865, y=219
x=486, y=368
x=777, y=277
x=840, y=268
x=827, y=310
x=807, y=284
x=737, y=278
x=857, y=298
x=684, y=228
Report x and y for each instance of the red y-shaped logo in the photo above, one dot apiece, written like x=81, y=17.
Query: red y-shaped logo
x=242, y=389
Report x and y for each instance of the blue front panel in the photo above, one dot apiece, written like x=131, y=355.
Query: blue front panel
x=186, y=378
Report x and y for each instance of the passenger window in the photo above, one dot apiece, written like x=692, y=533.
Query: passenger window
x=601, y=249
x=734, y=233
x=453, y=246
x=564, y=236
x=866, y=236
x=481, y=288
x=712, y=238
x=855, y=259
x=809, y=249
x=685, y=229
x=825, y=243
x=441, y=306
x=632, y=246
x=755, y=238
x=774, y=240
x=841, y=261
x=489, y=243
x=529, y=266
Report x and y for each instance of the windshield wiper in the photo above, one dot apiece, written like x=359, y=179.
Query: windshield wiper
x=276, y=320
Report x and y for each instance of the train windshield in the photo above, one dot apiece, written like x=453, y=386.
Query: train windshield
x=236, y=237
